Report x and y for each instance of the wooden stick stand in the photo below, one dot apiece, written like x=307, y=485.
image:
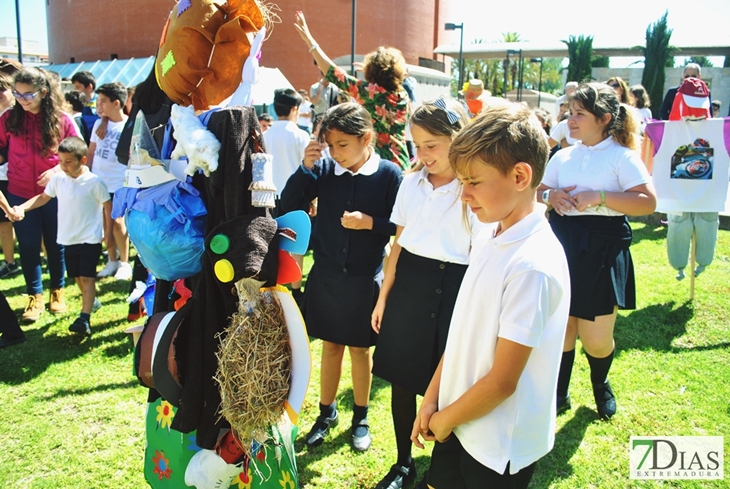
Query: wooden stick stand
x=692, y=266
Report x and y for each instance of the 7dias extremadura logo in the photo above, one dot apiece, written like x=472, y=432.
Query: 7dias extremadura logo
x=677, y=457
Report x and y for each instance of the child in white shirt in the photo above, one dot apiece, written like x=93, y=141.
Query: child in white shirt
x=81, y=197
x=491, y=403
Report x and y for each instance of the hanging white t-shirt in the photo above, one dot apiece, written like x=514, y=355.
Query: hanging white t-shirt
x=105, y=163
x=80, y=202
x=606, y=166
x=691, y=164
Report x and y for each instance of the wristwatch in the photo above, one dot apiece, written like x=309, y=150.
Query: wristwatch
x=546, y=196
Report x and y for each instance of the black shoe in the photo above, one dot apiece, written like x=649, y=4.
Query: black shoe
x=605, y=400
x=8, y=269
x=316, y=435
x=5, y=342
x=361, y=439
x=80, y=326
x=563, y=404
x=399, y=476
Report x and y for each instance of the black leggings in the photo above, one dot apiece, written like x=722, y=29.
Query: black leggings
x=403, y=407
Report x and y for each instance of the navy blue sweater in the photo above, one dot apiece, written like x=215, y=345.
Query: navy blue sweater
x=357, y=252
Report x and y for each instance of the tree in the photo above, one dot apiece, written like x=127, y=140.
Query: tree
x=580, y=51
x=599, y=61
x=703, y=61
x=657, y=56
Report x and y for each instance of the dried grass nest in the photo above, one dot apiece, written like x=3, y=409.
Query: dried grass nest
x=254, y=368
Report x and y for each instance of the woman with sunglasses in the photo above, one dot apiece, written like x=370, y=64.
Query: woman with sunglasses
x=29, y=136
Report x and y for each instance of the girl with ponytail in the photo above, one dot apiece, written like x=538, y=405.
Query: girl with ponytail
x=592, y=186
x=29, y=137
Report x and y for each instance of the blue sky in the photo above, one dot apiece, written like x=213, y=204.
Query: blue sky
x=610, y=23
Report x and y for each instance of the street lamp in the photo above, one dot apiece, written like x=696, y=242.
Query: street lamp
x=352, y=39
x=17, y=28
x=539, y=83
x=452, y=27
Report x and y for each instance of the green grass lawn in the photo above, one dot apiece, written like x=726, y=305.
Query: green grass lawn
x=72, y=413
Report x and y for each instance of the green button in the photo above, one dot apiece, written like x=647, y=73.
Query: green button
x=224, y=271
x=220, y=244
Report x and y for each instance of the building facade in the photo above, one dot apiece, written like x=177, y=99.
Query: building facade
x=78, y=32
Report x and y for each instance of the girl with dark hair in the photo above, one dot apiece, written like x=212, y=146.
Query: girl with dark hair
x=425, y=267
x=382, y=93
x=592, y=186
x=31, y=132
x=356, y=189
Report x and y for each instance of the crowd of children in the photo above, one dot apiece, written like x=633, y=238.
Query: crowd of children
x=477, y=305
x=56, y=187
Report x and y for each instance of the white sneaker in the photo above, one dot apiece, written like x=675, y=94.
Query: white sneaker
x=109, y=269
x=124, y=272
x=139, y=289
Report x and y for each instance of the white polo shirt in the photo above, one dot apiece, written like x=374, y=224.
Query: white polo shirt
x=606, y=166
x=80, y=203
x=517, y=287
x=433, y=219
x=561, y=131
x=286, y=143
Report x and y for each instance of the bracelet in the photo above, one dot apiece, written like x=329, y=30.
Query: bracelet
x=313, y=47
x=603, y=198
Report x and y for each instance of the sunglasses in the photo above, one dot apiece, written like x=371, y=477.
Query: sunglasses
x=614, y=85
x=715, y=107
x=25, y=96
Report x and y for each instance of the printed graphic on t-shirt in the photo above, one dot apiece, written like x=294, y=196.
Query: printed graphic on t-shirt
x=105, y=148
x=693, y=161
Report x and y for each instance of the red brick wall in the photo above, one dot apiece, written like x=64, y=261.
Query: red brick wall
x=88, y=30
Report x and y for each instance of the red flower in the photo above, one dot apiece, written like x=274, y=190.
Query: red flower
x=400, y=116
x=383, y=138
x=261, y=454
x=340, y=74
x=382, y=112
x=392, y=99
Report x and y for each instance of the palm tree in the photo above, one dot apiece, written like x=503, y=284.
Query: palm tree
x=580, y=52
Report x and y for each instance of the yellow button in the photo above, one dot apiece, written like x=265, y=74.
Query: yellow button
x=224, y=271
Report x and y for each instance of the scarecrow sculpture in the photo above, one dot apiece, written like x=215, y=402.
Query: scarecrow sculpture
x=228, y=368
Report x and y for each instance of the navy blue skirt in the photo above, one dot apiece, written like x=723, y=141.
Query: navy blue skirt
x=599, y=261
x=338, y=306
x=416, y=321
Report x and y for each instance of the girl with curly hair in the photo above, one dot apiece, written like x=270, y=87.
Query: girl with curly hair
x=382, y=93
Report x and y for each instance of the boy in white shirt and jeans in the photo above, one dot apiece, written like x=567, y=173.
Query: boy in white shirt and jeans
x=110, y=100
x=491, y=403
x=81, y=197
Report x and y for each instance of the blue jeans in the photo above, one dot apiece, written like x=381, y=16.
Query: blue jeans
x=39, y=223
x=679, y=237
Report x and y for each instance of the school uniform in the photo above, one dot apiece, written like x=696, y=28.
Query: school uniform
x=596, y=241
x=344, y=282
x=516, y=288
x=435, y=243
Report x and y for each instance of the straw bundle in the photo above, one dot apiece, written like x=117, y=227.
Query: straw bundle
x=254, y=366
